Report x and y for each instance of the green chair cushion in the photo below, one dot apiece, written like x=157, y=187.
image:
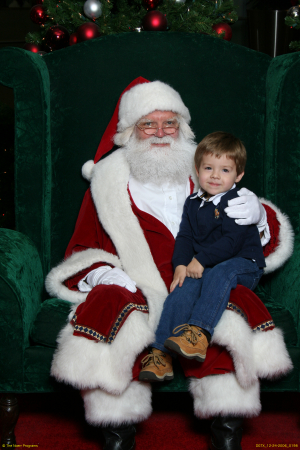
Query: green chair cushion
x=51, y=318
x=289, y=382
x=37, y=378
x=286, y=322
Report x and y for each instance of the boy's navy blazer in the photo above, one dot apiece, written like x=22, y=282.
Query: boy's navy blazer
x=210, y=236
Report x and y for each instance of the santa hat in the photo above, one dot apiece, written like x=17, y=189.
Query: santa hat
x=146, y=98
x=140, y=98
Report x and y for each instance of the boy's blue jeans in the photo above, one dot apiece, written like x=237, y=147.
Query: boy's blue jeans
x=202, y=301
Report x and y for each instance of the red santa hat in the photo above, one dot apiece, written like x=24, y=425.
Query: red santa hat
x=140, y=98
x=143, y=99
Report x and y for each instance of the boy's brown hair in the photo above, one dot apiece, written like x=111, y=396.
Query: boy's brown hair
x=221, y=143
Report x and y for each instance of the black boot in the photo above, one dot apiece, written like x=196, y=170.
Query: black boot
x=226, y=433
x=119, y=438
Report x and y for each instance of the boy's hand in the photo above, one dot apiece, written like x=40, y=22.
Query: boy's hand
x=194, y=269
x=178, y=278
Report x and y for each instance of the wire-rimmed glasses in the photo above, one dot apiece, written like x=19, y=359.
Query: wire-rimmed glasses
x=150, y=127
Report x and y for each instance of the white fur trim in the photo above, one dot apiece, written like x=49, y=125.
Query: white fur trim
x=87, y=170
x=109, y=192
x=286, y=240
x=233, y=332
x=145, y=98
x=271, y=358
x=260, y=354
x=223, y=395
x=87, y=364
x=133, y=406
x=75, y=263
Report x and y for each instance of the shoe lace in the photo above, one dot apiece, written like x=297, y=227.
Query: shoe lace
x=188, y=332
x=156, y=358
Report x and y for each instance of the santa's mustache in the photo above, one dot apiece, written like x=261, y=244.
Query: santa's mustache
x=162, y=140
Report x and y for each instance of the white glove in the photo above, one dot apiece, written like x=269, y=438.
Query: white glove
x=106, y=275
x=247, y=209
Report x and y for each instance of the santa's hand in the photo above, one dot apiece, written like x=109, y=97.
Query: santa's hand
x=247, y=209
x=120, y=278
x=107, y=275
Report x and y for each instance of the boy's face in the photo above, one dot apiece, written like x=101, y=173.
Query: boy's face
x=217, y=175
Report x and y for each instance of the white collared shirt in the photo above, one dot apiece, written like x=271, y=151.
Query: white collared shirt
x=215, y=198
x=165, y=202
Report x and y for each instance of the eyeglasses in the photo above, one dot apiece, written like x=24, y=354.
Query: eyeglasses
x=149, y=127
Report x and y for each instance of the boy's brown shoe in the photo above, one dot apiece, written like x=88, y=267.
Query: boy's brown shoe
x=157, y=366
x=191, y=344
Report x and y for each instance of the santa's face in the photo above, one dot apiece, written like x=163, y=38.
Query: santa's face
x=160, y=118
x=160, y=158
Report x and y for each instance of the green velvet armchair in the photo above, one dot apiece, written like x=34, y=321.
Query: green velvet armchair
x=63, y=103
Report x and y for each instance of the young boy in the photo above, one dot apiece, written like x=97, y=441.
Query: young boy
x=212, y=255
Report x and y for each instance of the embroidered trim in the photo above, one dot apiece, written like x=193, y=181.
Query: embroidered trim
x=87, y=330
x=128, y=309
x=115, y=328
x=237, y=309
x=265, y=326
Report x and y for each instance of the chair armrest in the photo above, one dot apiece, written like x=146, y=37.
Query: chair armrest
x=21, y=288
x=281, y=288
x=27, y=74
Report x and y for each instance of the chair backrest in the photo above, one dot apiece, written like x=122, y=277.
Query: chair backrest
x=65, y=100
x=282, y=154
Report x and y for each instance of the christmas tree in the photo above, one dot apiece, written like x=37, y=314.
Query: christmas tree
x=65, y=22
x=292, y=20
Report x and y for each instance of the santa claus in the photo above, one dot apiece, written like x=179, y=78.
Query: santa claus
x=117, y=271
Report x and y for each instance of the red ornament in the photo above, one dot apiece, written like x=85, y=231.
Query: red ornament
x=73, y=39
x=149, y=5
x=154, y=21
x=57, y=37
x=34, y=48
x=87, y=31
x=38, y=14
x=223, y=27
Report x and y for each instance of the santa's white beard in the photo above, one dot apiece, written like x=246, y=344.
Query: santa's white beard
x=172, y=163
